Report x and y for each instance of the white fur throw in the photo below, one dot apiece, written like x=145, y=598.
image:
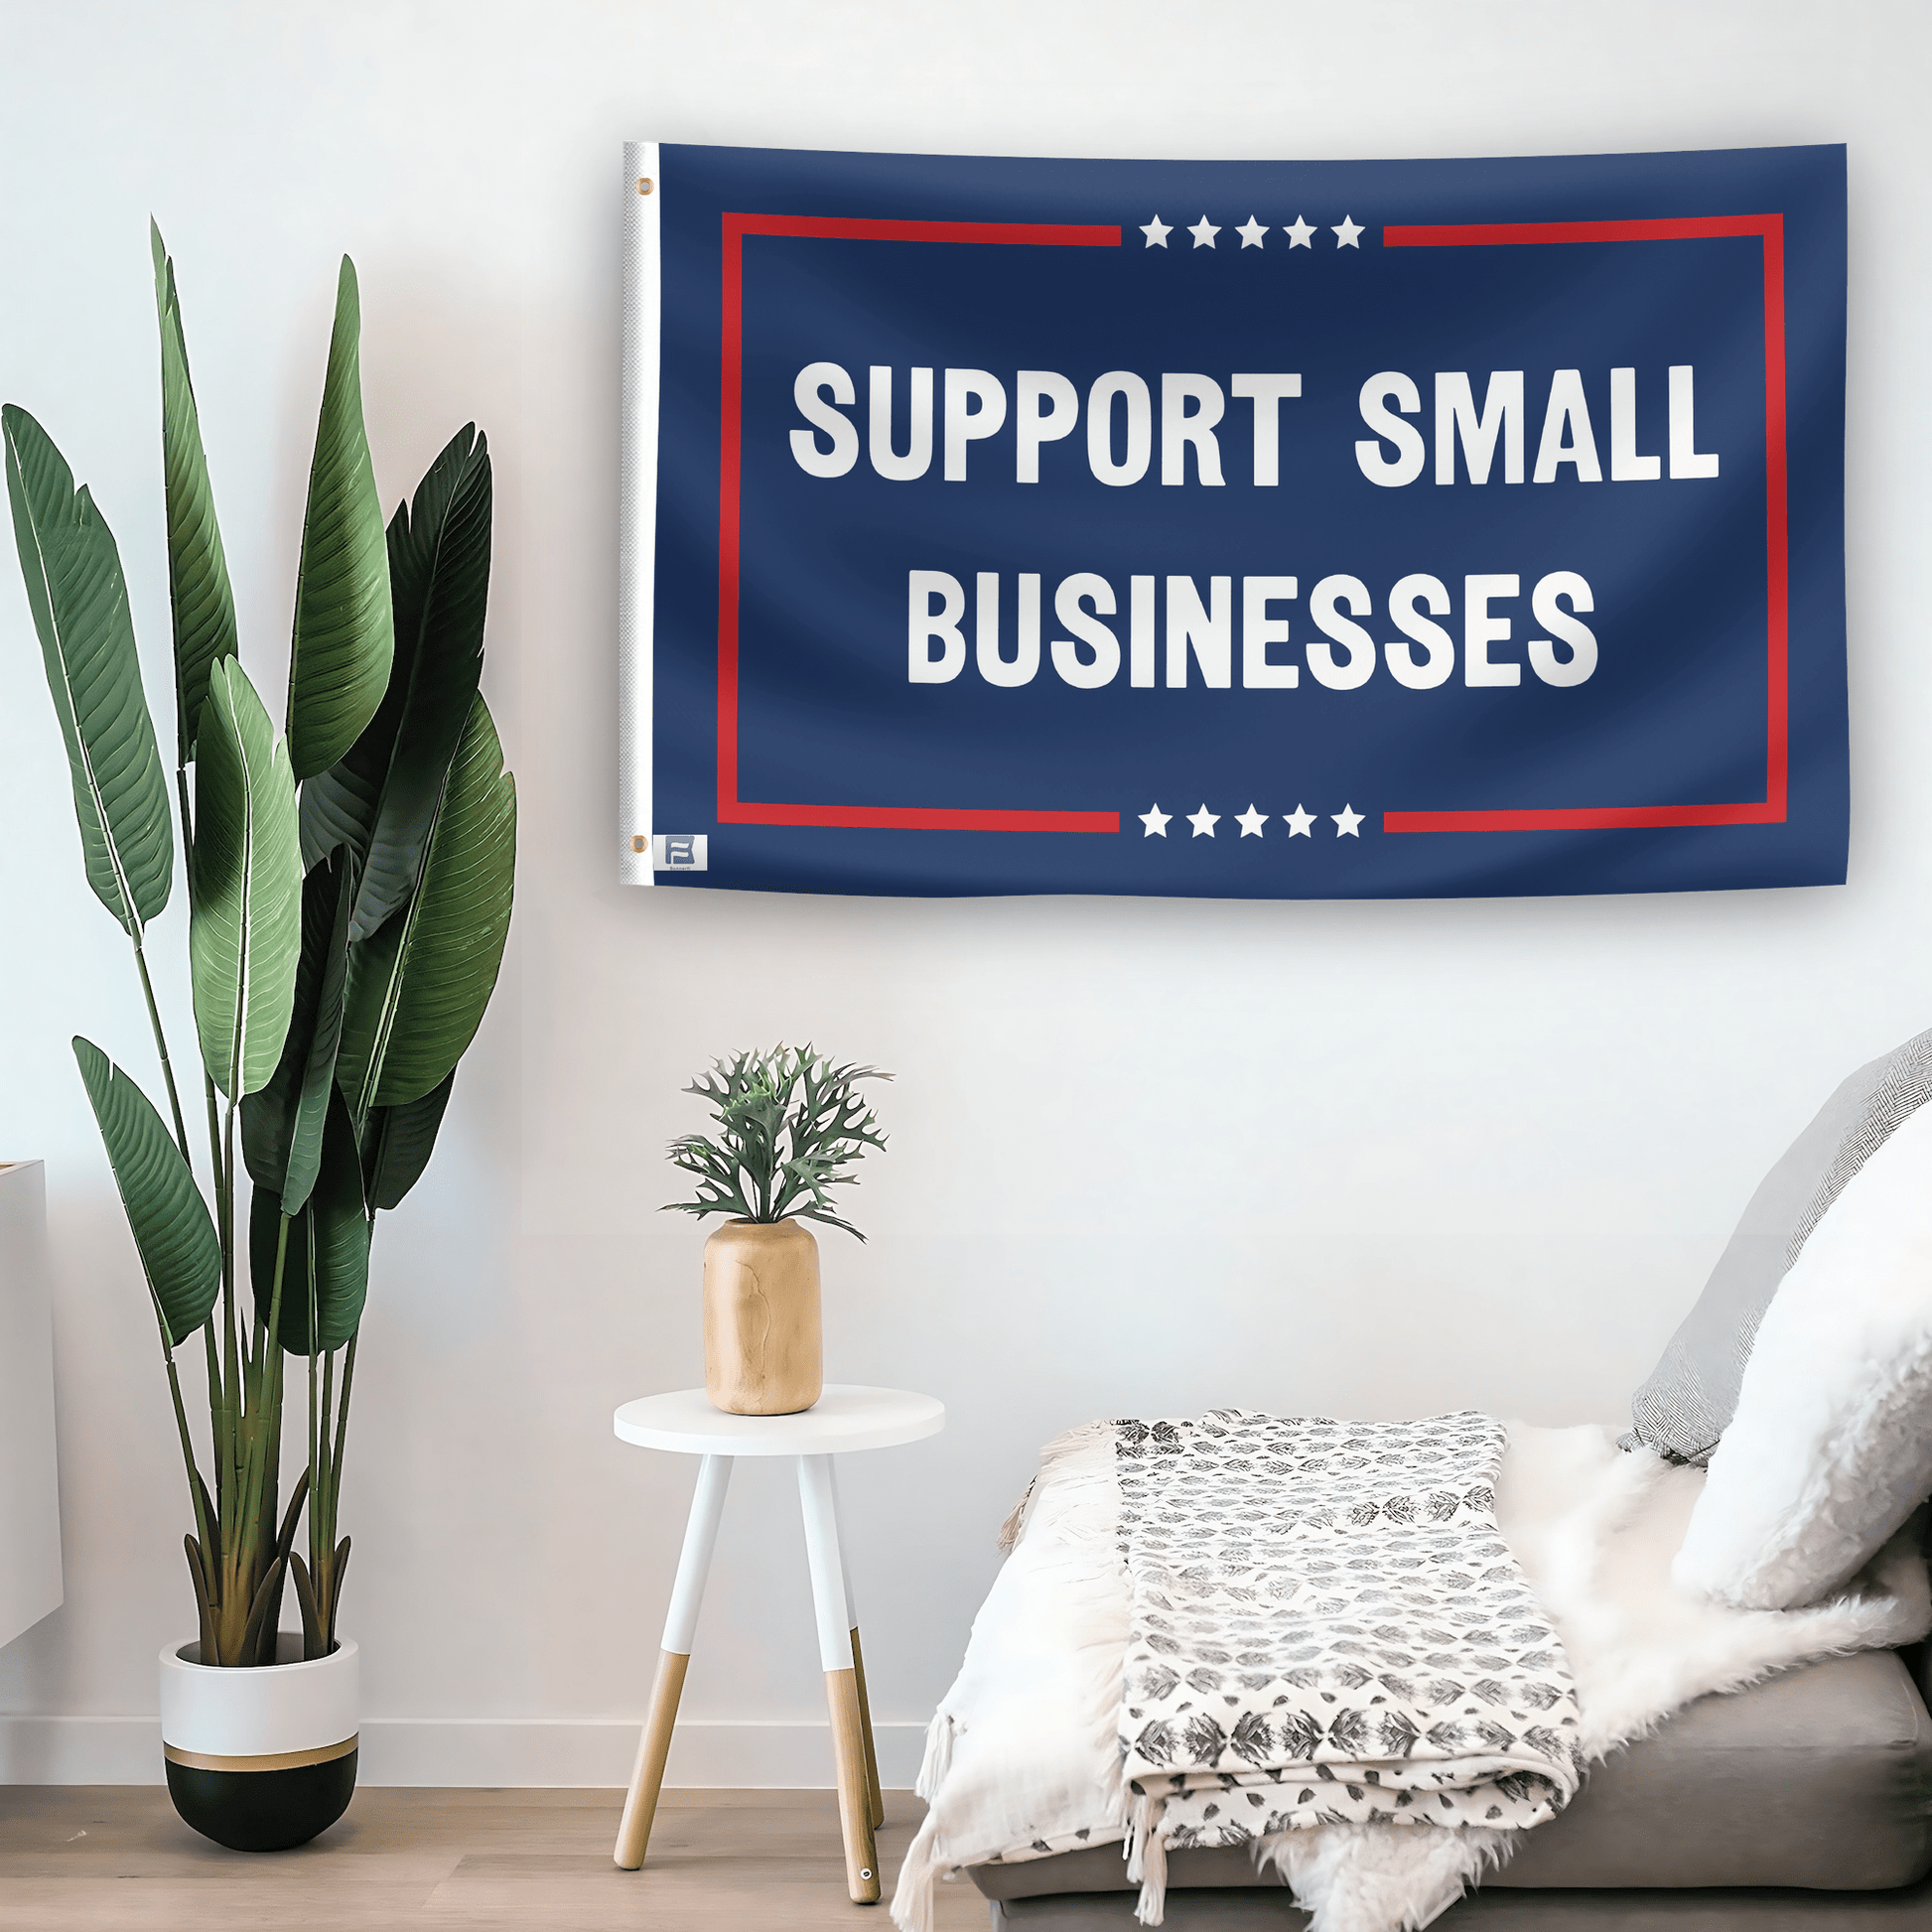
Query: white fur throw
x=1023, y=1757
x=1831, y=1446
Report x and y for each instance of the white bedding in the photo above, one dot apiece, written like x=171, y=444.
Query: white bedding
x=1023, y=1756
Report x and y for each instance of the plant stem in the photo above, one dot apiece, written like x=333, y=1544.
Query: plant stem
x=322, y=1506
x=265, y=1436
x=315, y=1438
x=187, y=1453
x=206, y=1534
x=214, y=1141
x=322, y=1527
x=231, y=1354
x=234, y=1415
x=342, y=1425
x=218, y=1430
x=219, y=1394
x=268, y=1509
x=245, y=1565
x=161, y=1047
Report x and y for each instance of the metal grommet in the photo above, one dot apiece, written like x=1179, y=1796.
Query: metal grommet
x=865, y=1873
x=640, y=843
x=643, y=183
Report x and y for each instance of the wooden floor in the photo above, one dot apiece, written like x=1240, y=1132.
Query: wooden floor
x=77, y=1857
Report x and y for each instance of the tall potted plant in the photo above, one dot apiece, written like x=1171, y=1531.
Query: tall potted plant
x=349, y=887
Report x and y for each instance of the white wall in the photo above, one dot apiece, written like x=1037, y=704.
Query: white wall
x=1372, y=1160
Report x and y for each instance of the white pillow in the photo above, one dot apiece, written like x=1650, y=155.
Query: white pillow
x=1831, y=1448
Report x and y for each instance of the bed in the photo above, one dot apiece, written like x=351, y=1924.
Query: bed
x=1804, y=1802
x=1668, y=1678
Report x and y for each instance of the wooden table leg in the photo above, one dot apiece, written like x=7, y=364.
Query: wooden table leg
x=680, y=1626
x=859, y=1666
x=820, y=1511
x=654, y=1748
x=865, y=1727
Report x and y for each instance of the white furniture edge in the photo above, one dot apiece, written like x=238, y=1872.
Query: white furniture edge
x=842, y=1421
x=31, y=1582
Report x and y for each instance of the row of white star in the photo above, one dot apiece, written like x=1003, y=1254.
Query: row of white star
x=1300, y=823
x=1348, y=233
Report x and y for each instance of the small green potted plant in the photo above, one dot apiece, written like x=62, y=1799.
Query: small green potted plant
x=790, y=1126
x=349, y=888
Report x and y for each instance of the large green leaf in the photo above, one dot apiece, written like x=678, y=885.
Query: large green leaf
x=198, y=570
x=417, y=991
x=244, y=936
x=176, y=1239
x=281, y=1126
x=327, y=1263
x=381, y=796
x=439, y=567
x=397, y=1144
x=338, y=806
x=344, y=633
x=75, y=587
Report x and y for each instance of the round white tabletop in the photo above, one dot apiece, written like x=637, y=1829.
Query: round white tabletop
x=844, y=1418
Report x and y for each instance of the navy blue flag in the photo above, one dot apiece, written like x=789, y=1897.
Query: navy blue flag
x=1244, y=529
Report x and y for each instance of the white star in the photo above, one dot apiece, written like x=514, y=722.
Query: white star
x=1300, y=235
x=1346, y=822
x=1204, y=822
x=1251, y=822
x=1204, y=232
x=1156, y=822
x=1156, y=232
x=1251, y=232
x=1298, y=823
x=1345, y=235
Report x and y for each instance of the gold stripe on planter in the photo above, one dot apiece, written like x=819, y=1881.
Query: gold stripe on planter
x=271, y=1761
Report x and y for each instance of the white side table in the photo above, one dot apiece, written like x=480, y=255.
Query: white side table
x=842, y=1420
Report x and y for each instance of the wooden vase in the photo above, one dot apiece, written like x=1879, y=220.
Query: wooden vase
x=763, y=1344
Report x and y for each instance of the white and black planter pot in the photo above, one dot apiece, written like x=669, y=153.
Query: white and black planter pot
x=260, y=1759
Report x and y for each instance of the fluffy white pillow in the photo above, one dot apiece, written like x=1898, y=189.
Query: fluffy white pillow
x=1831, y=1446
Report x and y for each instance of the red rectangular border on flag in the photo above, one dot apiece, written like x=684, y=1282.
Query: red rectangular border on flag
x=732, y=809
x=1769, y=811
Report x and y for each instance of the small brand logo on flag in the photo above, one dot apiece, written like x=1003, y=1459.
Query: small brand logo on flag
x=679, y=852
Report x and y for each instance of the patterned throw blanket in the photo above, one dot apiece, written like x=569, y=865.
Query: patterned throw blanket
x=1327, y=1628
x=1025, y=1754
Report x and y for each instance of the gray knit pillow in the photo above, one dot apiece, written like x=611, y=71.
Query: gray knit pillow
x=1692, y=1394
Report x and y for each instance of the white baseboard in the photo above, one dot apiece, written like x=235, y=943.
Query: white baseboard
x=479, y=1751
